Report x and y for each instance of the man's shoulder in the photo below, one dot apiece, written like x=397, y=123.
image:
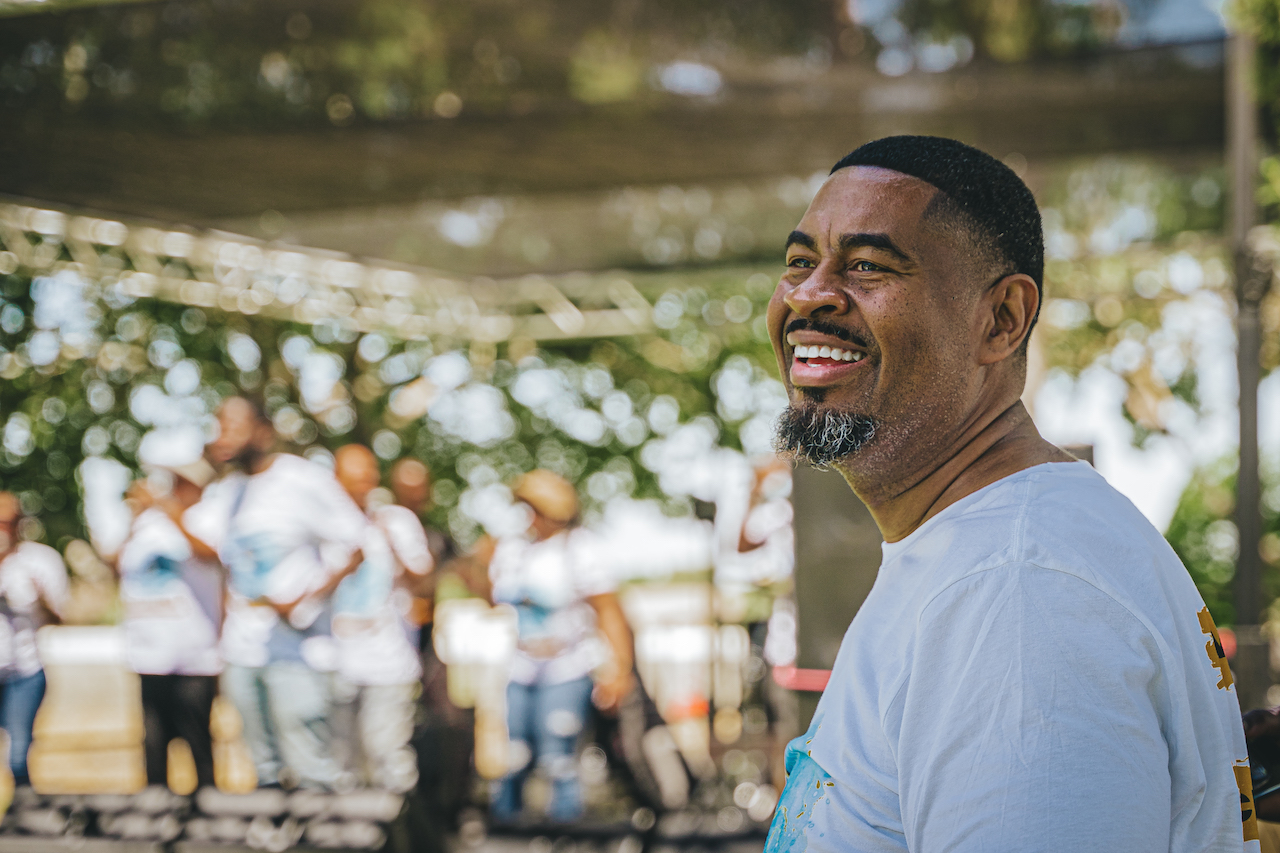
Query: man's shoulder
x=1077, y=518
x=1055, y=510
x=1064, y=527
x=1059, y=517
x=292, y=465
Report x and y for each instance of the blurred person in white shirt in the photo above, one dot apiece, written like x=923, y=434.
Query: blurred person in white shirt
x=269, y=519
x=410, y=483
x=555, y=578
x=378, y=670
x=172, y=616
x=33, y=592
x=767, y=534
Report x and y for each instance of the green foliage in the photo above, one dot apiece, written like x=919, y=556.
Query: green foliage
x=1206, y=540
x=1134, y=268
x=88, y=371
x=1016, y=30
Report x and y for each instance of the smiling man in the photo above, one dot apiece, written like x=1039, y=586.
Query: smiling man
x=1034, y=669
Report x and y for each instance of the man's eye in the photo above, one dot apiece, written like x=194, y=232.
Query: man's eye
x=802, y=263
x=864, y=266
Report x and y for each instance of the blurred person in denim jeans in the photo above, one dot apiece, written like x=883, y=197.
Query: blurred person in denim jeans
x=554, y=577
x=33, y=591
x=287, y=534
x=376, y=683
x=172, y=616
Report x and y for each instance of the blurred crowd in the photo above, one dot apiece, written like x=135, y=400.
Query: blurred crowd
x=304, y=596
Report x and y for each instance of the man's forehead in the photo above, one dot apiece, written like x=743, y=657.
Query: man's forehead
x=870, y=197
x=235, y=407
x=355, y=457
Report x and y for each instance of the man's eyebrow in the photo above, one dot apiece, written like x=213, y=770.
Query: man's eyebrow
x=852, y=241
x=803, y=239
x=874, y=241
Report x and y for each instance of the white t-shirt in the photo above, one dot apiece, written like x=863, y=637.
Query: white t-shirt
x=170, y=623
x=268, y=530
x=548, y=583
x=1033, y=671
x=369, y=610
x=29, y=573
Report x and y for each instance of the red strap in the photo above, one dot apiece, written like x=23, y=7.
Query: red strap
x=810, y=680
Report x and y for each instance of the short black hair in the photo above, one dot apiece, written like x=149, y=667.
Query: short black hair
x=987, y=193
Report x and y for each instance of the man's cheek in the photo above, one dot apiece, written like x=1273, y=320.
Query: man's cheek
x=775, y=319
x=774, y=309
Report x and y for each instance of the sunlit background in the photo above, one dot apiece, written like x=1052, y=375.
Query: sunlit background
x=500, y=235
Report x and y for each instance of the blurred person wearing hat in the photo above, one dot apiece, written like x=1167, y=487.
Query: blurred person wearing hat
x=377, y=677
x=555, y=577
x=172, y=616
x=33, y=591
x=287, y=534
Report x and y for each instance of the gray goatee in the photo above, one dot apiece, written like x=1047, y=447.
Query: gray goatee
x=822, y=437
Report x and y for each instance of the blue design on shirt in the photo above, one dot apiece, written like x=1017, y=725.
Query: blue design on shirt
x=532, y=619
x=156, y=578
x=365, y=591
x=250, y=560
x=535, y=608
x=807, y=787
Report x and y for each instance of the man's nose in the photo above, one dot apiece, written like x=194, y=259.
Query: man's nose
x=822, y=292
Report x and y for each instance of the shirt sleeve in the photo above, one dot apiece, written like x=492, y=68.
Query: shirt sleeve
x=49, y=576
x=1032, y=720
x=407, y=537
x=209, y=519
x=336, y=522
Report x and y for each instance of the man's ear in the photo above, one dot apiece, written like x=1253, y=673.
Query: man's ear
x=1008, y=309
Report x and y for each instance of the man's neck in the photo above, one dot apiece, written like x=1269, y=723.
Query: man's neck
x=260, y=462
x=1007, y=444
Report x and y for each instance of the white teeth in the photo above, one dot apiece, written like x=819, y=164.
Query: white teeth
x=833, y=353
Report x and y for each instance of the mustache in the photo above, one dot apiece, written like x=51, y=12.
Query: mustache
x=822, y=327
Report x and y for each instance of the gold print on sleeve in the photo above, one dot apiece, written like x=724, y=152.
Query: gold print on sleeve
x=1247, y=815
x=1213, y=648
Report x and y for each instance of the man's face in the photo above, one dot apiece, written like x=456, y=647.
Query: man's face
x=357, y=471
x=411, y=484
x=874, y=316
x=238, y=429
x=9, y=515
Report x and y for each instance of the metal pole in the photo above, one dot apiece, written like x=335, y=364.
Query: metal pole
x=1253, y=675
